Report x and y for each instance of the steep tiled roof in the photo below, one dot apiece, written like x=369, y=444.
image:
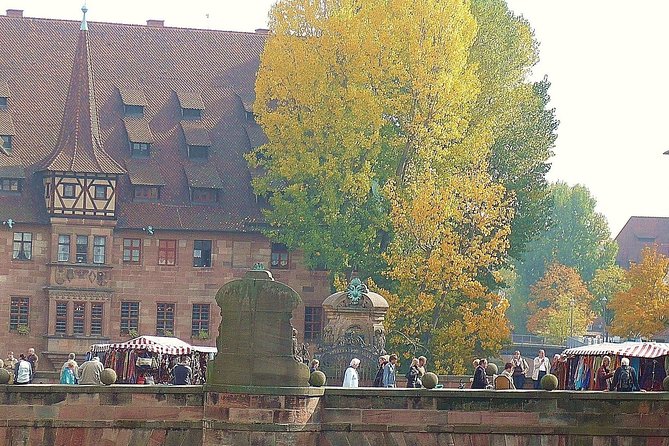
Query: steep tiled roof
x=4, y=89
x=159, y=61
x=6, y=123
x=132, y=97
x=190, y=99
x=79, y=148
x=203, y=175
x=638, y=233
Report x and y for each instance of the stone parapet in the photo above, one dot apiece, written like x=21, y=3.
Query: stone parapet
x=331, y=416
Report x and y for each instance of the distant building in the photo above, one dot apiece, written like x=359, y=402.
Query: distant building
x=638, y=233
x=125, y=198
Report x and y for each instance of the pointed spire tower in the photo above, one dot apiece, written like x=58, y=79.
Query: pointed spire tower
x=79, y=176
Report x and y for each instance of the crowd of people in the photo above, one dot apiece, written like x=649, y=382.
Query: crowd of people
x=517, y=370
x=386, y=375
x=22, y=370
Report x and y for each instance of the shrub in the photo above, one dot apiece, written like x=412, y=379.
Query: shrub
x=317, y=379
x=430, y=380
x=108, y=376
x=549, y=382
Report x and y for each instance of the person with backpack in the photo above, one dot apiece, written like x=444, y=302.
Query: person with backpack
x=624, y=379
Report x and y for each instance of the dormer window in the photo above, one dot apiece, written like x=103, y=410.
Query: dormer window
x=6, y=141
x=3, y=103
x=198, y=152
x=135, y=111
x=10, y=185
x=146, y=193
x=203, y=195
x=140, y=149
x=191, y=113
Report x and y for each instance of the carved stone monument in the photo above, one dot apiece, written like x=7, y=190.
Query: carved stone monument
x=255, y=338
x=353, y=328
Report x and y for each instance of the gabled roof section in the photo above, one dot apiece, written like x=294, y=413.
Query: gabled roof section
x=6, y=123
x=203, y=176
x=132, y=97
x=195, y=133
x=638, y=233
x=79, y=147
x=138, y=130
x=190, y=99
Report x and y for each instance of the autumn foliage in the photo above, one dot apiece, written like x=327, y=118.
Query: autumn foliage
x=643, y=310
x=560, y=305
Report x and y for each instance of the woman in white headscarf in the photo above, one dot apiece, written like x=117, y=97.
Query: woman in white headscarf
x=351, y=375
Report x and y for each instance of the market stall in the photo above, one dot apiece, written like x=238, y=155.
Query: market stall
x=150, y=359
x=579, y=365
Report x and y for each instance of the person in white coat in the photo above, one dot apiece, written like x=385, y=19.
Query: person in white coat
x=351, y=375
x=542, y=366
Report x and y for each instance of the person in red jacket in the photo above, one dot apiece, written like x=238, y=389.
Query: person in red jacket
x=603, y=374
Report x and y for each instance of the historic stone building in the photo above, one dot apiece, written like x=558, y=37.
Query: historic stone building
x=125, y=200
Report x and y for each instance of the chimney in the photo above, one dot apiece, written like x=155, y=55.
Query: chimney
x=262, y=31
x=15, y=13
x=156, y=23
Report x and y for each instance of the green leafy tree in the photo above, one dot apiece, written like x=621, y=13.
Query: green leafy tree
x=606, y=283
x=579, y=237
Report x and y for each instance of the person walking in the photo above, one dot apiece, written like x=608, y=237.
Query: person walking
x=389, y=372
x=603, y=374
x=378, y=379
x=542, y=365
x=89, y=372
x=71, y=358
x=68, y=375
x=182, y=374
x=624, y=379
x=23, y=372
x=413, y=374
x=33, y=360
x=520, y=369
x=480, y=380
x=351, y=375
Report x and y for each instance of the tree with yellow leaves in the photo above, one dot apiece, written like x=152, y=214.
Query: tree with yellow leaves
x=560, y=304
x=447, y=233
x=643, y=310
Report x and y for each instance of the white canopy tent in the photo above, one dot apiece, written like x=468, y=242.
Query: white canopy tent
x=155, y=344
x=629, y=349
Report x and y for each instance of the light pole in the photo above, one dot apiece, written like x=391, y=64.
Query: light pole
x=572, y=303
x=606, y=332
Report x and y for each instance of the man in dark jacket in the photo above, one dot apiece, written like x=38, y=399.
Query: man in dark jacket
x=480, y=379
x=624, y=379
x=181, y=374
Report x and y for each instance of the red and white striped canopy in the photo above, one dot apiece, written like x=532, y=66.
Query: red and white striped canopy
x=629, y=349
x=154, y=344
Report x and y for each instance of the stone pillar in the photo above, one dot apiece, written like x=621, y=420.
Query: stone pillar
x=255, y=340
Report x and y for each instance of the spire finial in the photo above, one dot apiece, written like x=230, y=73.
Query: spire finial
x=84, y=25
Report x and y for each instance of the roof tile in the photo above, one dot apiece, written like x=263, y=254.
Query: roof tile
x=144, y=173
x=195, y=133
x=133, y=97
x=190, y=99
x=138, y=130
x=203, y=175
x=6, y=123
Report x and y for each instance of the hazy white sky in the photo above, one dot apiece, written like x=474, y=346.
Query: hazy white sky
x=606, y=59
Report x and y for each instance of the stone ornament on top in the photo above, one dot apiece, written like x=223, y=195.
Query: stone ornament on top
x=255, y=340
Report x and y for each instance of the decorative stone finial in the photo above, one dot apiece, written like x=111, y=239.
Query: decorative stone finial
x=84, y=25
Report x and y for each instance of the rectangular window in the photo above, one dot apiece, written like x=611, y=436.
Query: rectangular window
x=133, y=110
x=69, y=190
x=19, y=312
x=82, y=249
x=202, y=253
x=61, y=318
x=280, y=257
x=139, y=149
x=10, y=185
x=99, y=243
x=129, y=317
x=23, y=246
x=191, y=113
x=200, y=320
x=132, y=249
x=167, y=252
x=199, y=195
x=313, y=319
x=78, y=314
x=149, y=193
x=96, y=319
x=165, y=320
x=198, y=152
x=100, y=192
x=63, y=248
x=3, y=102
x=6, y=141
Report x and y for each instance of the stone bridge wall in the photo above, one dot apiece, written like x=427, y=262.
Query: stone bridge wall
x=191, y=415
